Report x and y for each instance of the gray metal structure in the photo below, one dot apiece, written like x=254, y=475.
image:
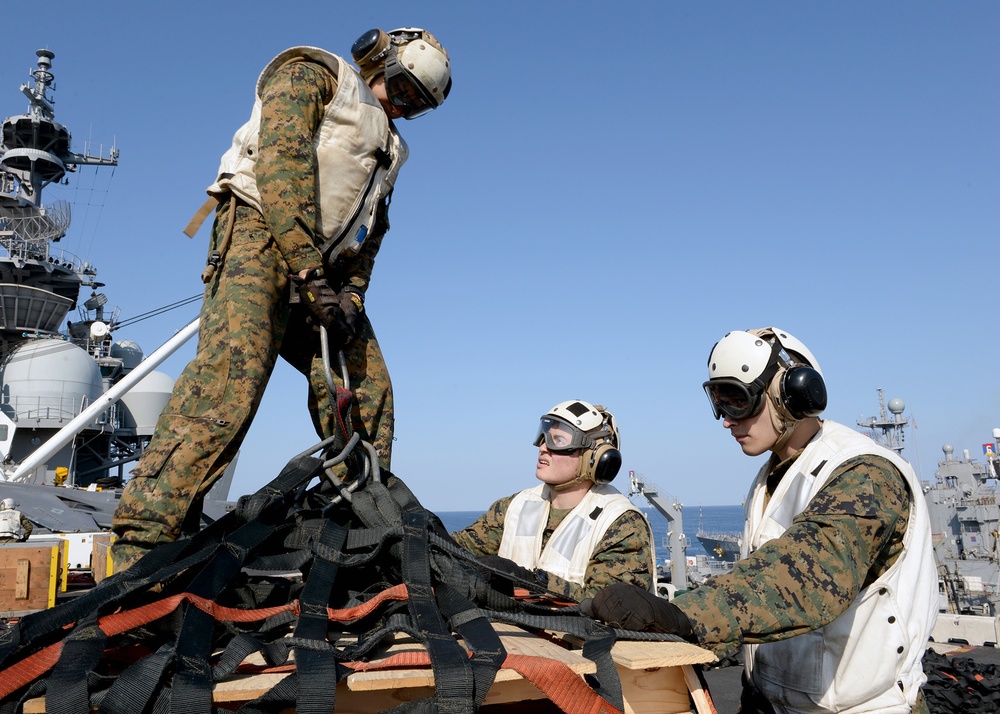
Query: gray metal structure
x=671, y=509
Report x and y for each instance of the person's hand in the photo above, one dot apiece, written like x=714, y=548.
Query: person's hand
x=629, y=607
x=505, y=566
x=337, y=312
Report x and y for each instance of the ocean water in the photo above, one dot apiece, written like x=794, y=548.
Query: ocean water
x=712, y=519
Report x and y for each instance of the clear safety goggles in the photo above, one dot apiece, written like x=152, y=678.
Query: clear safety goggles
x=732, y=398
x=404, y=90
x=560, y=437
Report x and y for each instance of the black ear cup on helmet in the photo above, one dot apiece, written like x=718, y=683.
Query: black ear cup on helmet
x=364, y=44
x=803, y=392
x=605, y=462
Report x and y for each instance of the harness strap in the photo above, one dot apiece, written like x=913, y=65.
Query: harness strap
x=216, y=256
x=200, y=215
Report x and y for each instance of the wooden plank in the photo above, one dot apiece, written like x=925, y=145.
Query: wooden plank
x=55, y=568
x=646, y=655
x=515, y=641
x=703, y=703
x=21, y=579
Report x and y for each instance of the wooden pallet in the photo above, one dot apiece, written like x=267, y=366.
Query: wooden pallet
x=655, y=676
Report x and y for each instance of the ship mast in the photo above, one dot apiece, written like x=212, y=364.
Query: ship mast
x=885, y=430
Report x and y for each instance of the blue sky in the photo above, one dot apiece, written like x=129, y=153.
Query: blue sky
x=610, y=188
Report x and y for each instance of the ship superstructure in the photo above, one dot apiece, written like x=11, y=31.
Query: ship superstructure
x=963, y=501
x=76, y=404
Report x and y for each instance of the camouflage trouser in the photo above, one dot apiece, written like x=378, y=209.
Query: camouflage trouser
x=246, y=322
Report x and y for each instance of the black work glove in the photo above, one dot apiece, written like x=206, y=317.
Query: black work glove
x=505, y=566
x=629, y=607
x=337, y=312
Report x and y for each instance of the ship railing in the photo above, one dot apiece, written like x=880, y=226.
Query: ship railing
x=56, y=409
x=26, y=231
x=978, y=501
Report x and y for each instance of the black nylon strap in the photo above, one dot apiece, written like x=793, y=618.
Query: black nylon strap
x=81, y=652
x=488, y=653
x=317, y=669
x=454, y=683
x=134, y=688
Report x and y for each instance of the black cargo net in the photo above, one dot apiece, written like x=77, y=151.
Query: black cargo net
x=316, y=575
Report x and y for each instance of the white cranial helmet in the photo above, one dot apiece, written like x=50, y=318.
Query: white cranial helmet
x=7, y=504
x=578, y=425
x=747, y=367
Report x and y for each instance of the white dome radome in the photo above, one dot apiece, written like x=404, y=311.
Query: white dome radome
x=49, y=379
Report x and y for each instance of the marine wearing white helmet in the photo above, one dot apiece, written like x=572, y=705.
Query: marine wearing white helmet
x=745, y=367
x=578, y=425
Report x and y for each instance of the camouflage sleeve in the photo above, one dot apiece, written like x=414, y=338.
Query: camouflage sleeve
x=483, y=537
x=292, y=107
x=26, y=527
x=624, y=555
x=851, y=531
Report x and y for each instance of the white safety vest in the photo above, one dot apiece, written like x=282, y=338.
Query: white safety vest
x=869, y=658
x=571, y=545
x=10, y=524
x=358, y=154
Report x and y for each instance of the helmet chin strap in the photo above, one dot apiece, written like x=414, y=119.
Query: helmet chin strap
x=582, y=473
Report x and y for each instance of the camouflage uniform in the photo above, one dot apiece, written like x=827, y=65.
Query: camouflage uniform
x=246, y=322
x=624, y=555
x=849, y=535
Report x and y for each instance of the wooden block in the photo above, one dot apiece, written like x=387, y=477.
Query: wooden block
x=661, y=690
x=100, y=559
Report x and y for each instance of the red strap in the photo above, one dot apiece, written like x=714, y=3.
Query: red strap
x=554, y=679
x=36, y=665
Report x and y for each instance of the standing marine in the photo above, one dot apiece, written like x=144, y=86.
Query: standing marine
x=836, y=594
x=301, y=203
x=574, y=533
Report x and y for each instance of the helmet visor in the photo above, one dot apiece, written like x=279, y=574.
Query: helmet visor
x=560, y=437
x=405, y=90
x=732, y=398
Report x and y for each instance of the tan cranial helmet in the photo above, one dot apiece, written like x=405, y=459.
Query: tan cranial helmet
x=416, y=67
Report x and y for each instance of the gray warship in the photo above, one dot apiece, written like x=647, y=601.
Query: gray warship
x=77, y=404
x=962, y=499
